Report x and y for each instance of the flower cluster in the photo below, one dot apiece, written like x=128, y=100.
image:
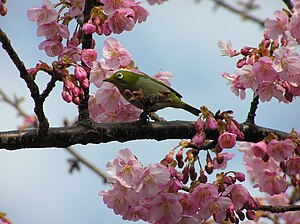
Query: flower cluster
x=3, y=9
x=107, y=104
x=115, y=17
x=152, y=193
x=273, y=68
x=271, y=161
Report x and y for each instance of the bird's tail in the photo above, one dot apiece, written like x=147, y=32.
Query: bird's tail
x=191, y=109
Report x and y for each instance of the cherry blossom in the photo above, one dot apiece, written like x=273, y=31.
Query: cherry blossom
x=115, y=53
x=276, y=26
x=44, y=14
x=125, y=168
x=280, y=150
x=227, y=140
x=165, y=209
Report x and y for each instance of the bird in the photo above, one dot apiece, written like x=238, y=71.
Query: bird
x=147, y=93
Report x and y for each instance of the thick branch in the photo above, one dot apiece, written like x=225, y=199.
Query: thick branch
x=279, y=209
x=101, y=133
x=32, y=86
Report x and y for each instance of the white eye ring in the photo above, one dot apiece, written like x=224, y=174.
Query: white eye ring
x=119, y=75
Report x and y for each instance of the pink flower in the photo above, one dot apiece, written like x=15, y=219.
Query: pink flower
x=115, y=53
x=295, y=26
x=199, y=138
x=287, y=64
x=280, y=150
x=136, y=213
x=52, y=47
x=116, y=198
x=122, y=19
x=125, y=168
x=151, y=179
x=278, y=200
x=246, y=77
x=44, y=14
x=53, y=30
x=165, y=209
x=77, y=7
x=226, y=48
x=276, y=26
x=99, y=72
x=140, y=13
x=259, y=149
x=94, y=108
x=233, y=81
x=164, y=77
x=109, y=6
x=89, y=28
x=187, y=204
x=204, y=193
x=238, y=194
x=227, y=140
x=216, y=207
x=263, y=70
x=293, y=166
x=267, y=90
x=88, y=56
x=226, y=157
x=271, y=183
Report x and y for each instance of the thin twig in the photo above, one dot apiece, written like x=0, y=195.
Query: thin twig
x=15, y=103
x=32, y=86
x=88, y=164
x=239, y=12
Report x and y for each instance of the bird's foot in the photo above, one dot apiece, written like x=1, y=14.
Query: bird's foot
x=144, y=117
x=153, y=116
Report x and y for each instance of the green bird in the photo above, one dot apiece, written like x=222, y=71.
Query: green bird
x=148, y=93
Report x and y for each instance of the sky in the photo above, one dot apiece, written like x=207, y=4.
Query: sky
x=179, y=36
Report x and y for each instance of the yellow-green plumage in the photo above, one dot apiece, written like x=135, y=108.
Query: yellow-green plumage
x=148, y=93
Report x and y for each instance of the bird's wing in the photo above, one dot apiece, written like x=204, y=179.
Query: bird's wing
x=163, y=84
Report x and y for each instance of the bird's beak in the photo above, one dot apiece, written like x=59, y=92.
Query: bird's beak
x=107, y=79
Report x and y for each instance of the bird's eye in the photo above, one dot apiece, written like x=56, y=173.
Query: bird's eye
x=119, y=75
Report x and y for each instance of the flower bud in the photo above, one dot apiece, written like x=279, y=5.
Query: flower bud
x=80, y=73
x=66, y=96
x=89, y=28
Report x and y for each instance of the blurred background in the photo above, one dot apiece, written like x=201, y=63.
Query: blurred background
x=179, y=36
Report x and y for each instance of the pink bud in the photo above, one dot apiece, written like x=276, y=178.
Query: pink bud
x=85, y=83
x=76, y=100
x=106, y=29
x=68, y=85
x=239, y=176
x=66, y=96
x=199, y=139
x=80, y=73
x=89, y=28
x=212, y=123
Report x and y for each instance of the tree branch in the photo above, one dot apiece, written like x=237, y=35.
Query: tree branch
x=88, y=164
x=32, y=86
x=96, y=133
x=239, y=12
x=279, y=209
x=254, y=105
